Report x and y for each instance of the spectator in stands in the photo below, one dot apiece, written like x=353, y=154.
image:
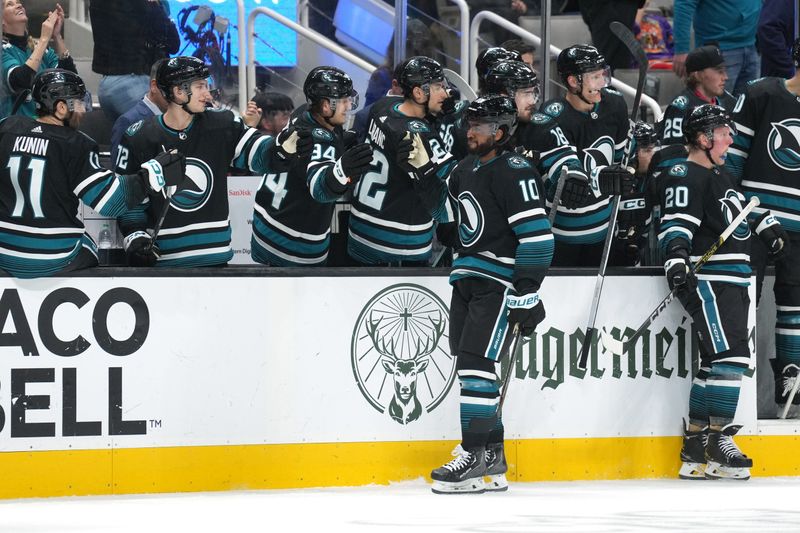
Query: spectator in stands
x=510, y=10
x=526, y=50
x=598, y=14
x=276, y=108
x=732, y=25
x=129, y=36
x=419, y=42
x=775, y=38
x=24, y=57
x=153, y=103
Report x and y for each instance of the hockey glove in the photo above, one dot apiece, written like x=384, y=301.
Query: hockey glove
x=634, y=211
x=772, y=235
x=293, y=143
x=167, y=169
x=615, y=180
x=678, y=268
x=349, y=139
x=449, y=103
x=353, y=163
x=576, y=191
x=140, y=249
x=526, y=310
x=419, y=164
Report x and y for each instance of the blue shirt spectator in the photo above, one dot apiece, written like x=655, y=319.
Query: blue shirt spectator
x=775, y=38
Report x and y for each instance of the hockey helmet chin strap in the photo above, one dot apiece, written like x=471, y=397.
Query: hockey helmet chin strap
x=579, y=92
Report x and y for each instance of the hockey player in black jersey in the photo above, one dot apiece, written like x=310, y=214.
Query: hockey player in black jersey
x=700, y=199
x=388, y=226
x=196, y=230
x=518, y=81
x=48, y=168
x=765, y=156
x=487, y=59
x=585, y=131
x=705, y=84
x=293, y=209
x=492, y=210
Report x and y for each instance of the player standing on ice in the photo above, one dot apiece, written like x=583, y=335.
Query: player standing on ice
x=493, y=216
x=766, y=158
x=700, y=199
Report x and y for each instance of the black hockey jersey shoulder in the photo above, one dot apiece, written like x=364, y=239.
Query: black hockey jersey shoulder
x=20, y=125
x=541, y=118
x=554, y=108
x=613, y=102
x=765, y=88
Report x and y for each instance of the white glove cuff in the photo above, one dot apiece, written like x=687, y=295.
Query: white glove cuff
x=672, y=262
x=126, y=242
x=526, y=301
x=765, y=223
x=338, y=173
x=155, y=174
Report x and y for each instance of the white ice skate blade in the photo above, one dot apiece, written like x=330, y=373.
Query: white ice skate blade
x=497, y=483
x=717, y=471
x=468, y=486
x=693, y=471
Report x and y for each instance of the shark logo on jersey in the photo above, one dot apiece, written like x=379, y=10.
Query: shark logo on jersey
x=680, y=102
x=398, y=339
x=599, y=154
x=470, y=219
x=133, y=128
x=516, y=161
x=198, y=184
x=731, y=207
x=322, y=134
x=416, y=126
x=678, y=170
x=554, y=109
x=783, y=144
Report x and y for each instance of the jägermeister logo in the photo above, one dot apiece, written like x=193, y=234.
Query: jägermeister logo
x=400, y=354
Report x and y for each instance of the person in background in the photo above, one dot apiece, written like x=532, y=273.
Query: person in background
x=598, y=14
x=732, y=25
x=276, y=108
x=129, y=36
x=526, y=50
x=775, y=38
x=24, y=57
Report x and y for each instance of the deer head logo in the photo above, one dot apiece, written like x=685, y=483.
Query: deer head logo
x=400, y=361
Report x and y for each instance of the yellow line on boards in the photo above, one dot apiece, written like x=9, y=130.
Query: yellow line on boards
x=280, y=466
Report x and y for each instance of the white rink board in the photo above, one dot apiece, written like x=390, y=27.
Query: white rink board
x=261, y=360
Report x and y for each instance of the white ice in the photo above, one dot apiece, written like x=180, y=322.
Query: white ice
x=761, y=504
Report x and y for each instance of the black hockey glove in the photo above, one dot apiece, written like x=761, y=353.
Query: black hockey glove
x=419, y=163
x=353, y=163
x=293, y=143
x=349, y=138
x=526, y=310
x=678, y=267
x=449, y=103
x=615, y=180
x=634, y=210
x=576, y=191
x=140, y=249
x=167, y=169
x=772, y=234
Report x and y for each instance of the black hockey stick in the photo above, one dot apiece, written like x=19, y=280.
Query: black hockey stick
x=629, y=40
x=486, y=424
x=562, y=177
x=619, y=347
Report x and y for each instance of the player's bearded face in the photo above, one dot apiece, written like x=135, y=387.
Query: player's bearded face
x=480, y=137
x=526, y=100
x=593, y=82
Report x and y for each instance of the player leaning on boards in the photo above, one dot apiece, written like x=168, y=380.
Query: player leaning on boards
x=196, y=230
x=700, y=199
x=50, y=167
x=585, y=131
x=765, y=156
x=494, y=219
x=293, y=209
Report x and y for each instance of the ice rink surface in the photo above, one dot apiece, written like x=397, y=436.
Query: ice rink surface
x=761, y=504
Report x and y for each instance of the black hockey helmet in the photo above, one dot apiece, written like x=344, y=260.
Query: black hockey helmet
x=418, y=71
x=796, y=53
x=644, y=134
x=495, y=54
x=180, y=72
x=53, y=85
x=579, y=59
x=328, y=83
x=494, y=109
x=705, y=119
x=506, y=77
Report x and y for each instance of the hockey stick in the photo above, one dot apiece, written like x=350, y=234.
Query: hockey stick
x=628, y=39
x=486, y=424
x=790, y=399
x=619, y=347
x=467, y=92
x=562, y=177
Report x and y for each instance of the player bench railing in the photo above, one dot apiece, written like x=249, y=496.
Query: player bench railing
x=624, y=88
x=305, y=32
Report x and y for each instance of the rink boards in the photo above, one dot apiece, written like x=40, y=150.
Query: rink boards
x=245, y=379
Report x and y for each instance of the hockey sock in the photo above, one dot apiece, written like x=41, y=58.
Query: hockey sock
x=479, y=399
x=787, y=335
x=722, y=393
x=698, y=403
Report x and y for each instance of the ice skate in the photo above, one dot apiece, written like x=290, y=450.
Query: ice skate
x=785, y=379
x=693, y=454
x=725, y=459
x=496, y=467
x=462, y=475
